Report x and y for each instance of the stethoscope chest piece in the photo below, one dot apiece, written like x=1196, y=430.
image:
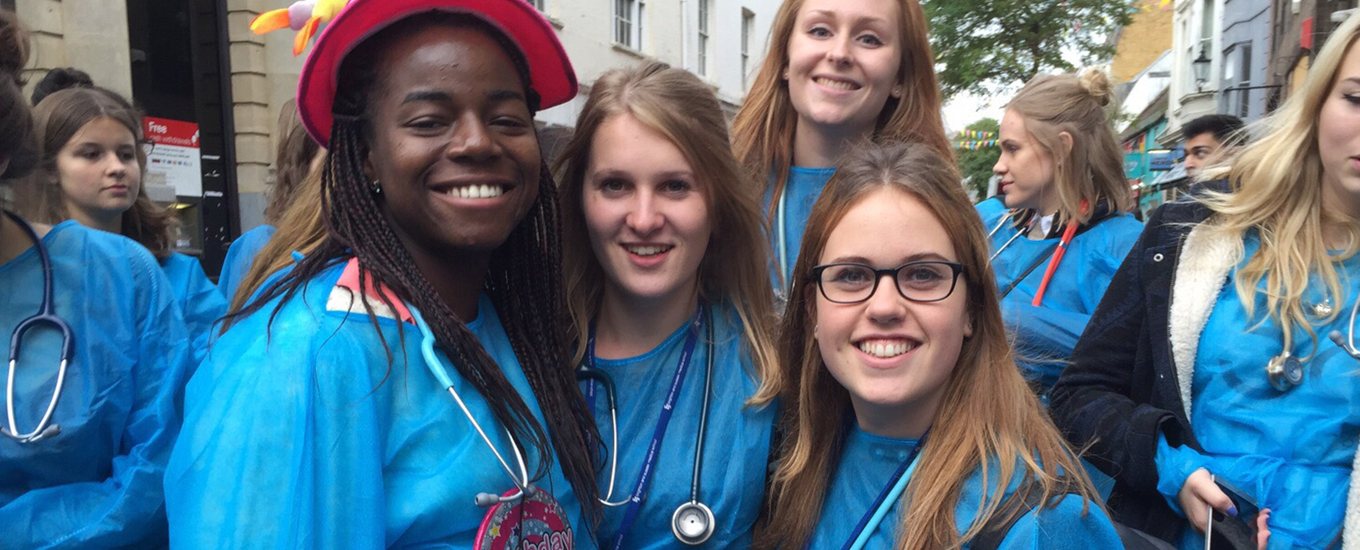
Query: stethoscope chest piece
x=692, y=523
x=1284, y=371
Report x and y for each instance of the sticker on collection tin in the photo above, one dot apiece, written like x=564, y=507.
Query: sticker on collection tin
x=536, y=522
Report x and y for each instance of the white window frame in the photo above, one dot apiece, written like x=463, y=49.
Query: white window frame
x=705, y=15
x=628, y=16
x=748, y=24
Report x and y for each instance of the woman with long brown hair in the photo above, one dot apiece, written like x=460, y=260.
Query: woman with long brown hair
x=837, y=71
x=670, y=303
x=906, y=423
x=92, y=172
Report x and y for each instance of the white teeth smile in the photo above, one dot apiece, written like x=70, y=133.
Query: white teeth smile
x=475, y=191
x=647, y=250
x=885, y=349
x=836, y=84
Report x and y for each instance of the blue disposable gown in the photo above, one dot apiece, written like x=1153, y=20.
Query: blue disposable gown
x=1292, y=452
x=868, y=464
x=240, y=255
x=800, y=193
x=200, y=302
x=736, y=446
x=97, y=484
x=1046, y=335
x=302, y=434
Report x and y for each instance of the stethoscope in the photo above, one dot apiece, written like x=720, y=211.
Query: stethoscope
x=1069, y=233
x=891, y=493
x=436, y=367
x=783, y=244
x=45, y=316
x=1349, y=345
x=1284, y=371
x=693, y=522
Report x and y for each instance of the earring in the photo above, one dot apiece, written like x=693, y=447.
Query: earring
x=896, y=91
x=377, y=187
x=786, y=73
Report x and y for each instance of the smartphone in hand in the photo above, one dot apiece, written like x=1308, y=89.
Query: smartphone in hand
x=1232, y=532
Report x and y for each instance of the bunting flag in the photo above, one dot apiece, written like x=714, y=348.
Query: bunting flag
x=976, y=134
x=975, y=145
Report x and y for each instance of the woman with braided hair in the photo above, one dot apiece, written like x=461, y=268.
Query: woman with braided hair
x=323, y=417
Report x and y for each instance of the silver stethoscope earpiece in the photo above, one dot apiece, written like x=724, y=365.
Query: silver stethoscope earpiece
x=1349, y=344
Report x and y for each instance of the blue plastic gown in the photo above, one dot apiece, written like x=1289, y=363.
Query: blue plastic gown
x=97, y=484
x=869, y=462
x=200, y=302
x=736, y=449
x=240, y=255
x=800, y=193
x=303, y=435
x=1046, y=335
x=1292, y=452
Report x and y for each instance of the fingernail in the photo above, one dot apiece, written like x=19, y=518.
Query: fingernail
x=1232, y=511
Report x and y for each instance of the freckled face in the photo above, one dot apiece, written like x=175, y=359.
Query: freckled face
x=843, y=61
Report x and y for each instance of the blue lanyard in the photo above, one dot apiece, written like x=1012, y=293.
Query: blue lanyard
x=895, y=485
x=667, y=408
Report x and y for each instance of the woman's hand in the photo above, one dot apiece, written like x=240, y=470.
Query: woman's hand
x=1262, y=530
x=1199, y=492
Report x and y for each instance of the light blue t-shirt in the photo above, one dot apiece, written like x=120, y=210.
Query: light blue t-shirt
x=1292, y=452
x=1046, y=335
x=200, y=301
x=800, y=194
x=97, y=483
x=301, y=433
x=736, y=440
x=869, y=462
x=240, y=256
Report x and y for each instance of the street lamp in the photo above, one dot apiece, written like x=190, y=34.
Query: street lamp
x=1201, y=67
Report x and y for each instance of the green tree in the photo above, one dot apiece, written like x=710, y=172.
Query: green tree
x=977, y=155
x=988, y=46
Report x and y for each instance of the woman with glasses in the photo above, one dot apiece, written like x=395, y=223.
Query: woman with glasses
x=666, y=283
x=906, y=423
x=93, y=162
x=1059, y=225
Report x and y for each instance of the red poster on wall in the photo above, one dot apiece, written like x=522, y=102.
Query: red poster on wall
x=174, y=160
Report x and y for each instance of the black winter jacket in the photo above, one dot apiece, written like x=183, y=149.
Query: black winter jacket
x=1121, y=388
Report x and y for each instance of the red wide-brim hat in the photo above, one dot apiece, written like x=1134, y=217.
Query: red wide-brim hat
x=550, y=72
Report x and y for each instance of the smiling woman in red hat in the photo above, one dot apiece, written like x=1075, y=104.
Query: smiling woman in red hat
x=404, y=384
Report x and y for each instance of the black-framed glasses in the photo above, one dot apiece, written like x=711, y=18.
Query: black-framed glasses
x=923, y=281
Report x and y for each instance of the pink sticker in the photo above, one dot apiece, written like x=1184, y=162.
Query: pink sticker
x=533, y=523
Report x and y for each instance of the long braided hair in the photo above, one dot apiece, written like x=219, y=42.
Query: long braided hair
x=523, y=279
